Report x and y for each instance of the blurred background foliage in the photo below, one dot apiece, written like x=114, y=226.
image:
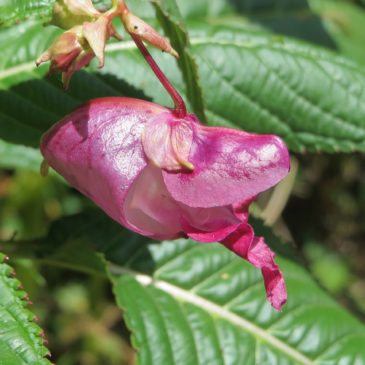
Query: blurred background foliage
x=324, y=216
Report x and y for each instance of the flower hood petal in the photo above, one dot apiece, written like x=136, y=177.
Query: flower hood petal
x=230, y=166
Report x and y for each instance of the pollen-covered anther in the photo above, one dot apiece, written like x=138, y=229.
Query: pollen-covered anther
x=167, y=143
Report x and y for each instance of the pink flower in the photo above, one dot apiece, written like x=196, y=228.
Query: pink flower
x=165, y=177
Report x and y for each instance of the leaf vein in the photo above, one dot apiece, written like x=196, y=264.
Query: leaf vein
x=216, y=310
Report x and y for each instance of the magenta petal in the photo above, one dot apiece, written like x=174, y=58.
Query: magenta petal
x=261, y=256
x=208, y=237
x=229, y=166
x=149, y=208
x=167, y=178
x=254, y=249
x=98, y=149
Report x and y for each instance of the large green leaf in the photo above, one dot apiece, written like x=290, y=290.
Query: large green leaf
x=21, y=341
x=190, y=303
x=252, y=80
x=311, y=97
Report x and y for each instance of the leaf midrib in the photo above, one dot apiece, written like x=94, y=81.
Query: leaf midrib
x=211, y=307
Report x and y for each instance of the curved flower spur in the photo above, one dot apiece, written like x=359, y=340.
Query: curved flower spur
x=161, y=173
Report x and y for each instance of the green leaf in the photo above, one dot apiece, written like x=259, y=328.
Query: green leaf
x=250, y=79
x=21, y=341
x=190, y=303
x=200, y=305
x=309, y=96
x=204, y=8
x=173, y=24
x=14, y=11
x=15, y=156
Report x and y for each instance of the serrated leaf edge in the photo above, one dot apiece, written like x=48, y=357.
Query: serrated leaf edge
x=21, y=297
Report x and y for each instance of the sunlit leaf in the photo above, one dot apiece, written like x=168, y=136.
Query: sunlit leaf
x=21, y=341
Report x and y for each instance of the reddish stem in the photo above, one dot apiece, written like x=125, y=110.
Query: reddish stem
x=180, y=108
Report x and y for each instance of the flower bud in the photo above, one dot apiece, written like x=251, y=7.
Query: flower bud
x=75, y=48
x=81, y=61
x=68, y=13
x=69, y=53
x=63, y=51
x=138, y=27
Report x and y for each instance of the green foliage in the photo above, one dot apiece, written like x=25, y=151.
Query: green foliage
x=190, y=303
x=21, y=341
x=282, y=86
x=14, y=11
x=187, y=303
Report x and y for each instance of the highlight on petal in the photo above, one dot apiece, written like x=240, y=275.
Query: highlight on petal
x=229, y=166
x=167, y=142
x=254, y=249
x=211, y=236
x=97, y=149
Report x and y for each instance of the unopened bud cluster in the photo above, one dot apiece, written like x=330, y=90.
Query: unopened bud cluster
x=87, y=31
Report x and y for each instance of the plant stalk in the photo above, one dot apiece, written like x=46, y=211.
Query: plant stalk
x=180, y=107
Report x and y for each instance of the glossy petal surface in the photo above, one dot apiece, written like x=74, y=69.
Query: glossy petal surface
x=229, y=166
x=97, y=149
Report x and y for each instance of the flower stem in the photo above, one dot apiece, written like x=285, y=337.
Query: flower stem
x=180, y=108
x=120, y=6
